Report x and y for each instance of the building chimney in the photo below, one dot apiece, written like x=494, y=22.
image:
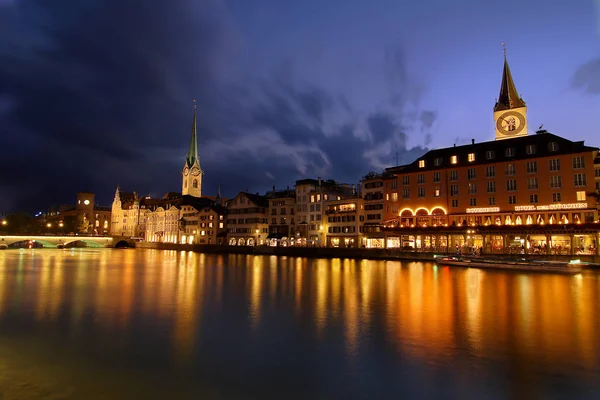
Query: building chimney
x=273, y=188
x=472, y=141
x=319, y=178
x=454, y=144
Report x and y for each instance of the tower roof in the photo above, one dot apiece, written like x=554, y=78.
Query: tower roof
x=509, y=97
x=192, y=155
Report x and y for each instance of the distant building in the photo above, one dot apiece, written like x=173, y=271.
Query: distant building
x=84, y=217
x=247, y=223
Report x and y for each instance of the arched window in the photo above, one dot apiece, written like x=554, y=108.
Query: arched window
x=195, y=184
x=185, y=184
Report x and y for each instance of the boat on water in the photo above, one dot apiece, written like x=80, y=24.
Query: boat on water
x=561, y=267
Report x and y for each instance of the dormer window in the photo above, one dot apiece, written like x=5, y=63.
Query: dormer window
x=530, y=149
x=421, y=163
x=453, y=159
x=490, y=154
x=510, y=152
x=438, y=161
x=471, y=157
x=553, y=146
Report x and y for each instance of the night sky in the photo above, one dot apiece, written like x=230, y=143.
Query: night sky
x=97, y=93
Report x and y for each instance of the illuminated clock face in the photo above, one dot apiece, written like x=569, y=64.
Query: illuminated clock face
x=86, y=202
x=510, y=123
x=186, y=171
x=195, y=171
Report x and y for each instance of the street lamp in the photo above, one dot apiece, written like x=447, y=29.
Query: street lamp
x=48, y=225
x=257, y=230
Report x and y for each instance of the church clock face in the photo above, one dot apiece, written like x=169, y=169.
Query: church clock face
x=195, y=171
x=510, y=123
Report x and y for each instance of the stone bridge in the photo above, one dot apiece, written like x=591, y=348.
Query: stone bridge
x=57, y=241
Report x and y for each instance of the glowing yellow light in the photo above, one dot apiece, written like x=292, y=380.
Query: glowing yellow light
x=49, y=225
x=61, y=224
x=4, y=222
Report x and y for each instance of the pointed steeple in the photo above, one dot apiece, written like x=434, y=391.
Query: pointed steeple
x=117, y=196
x=192, y=155
x=509, y=97
x=219, y=191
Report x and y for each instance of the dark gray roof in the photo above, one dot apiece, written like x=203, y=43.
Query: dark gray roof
x=541, y=141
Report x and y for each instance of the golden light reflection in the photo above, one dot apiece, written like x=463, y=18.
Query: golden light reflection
x=321, y=282
x=425, y=311
x=188, y=312
x=256, y=287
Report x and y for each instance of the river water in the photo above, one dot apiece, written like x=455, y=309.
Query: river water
x=150, y=324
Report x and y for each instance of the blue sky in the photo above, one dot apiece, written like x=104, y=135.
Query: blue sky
x=99, y=93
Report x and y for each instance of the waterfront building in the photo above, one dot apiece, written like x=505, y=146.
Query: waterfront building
x=344, y=224
x=282, y=205
x=517, y=180
x=374, y=187
x=84, y=217
x=126, y=213
x=312, y=195
x=247, y=223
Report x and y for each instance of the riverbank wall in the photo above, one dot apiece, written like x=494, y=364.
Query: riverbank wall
x=334, y=252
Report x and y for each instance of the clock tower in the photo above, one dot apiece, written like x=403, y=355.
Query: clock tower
x=510, y=111
x=192, y=173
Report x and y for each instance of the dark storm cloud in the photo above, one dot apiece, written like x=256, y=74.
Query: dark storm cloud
x=93, y=85
x=98, y=92
x=587, y=77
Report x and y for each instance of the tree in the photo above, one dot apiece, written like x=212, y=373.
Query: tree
x=83, y=224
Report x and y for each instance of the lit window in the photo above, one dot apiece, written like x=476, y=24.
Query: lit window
x=581, y=196
x=471, y=157
x=421, y=163
x=453, y=159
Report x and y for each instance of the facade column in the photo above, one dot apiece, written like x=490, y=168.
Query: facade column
x=572, y=240
x=484, y=243
x=548, y=237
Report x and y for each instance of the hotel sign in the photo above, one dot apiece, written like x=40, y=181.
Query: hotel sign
x=475, y=210
x=567, y=206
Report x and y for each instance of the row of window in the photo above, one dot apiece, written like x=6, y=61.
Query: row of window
x=344, y=218
x=282, y=211
x=247, y=221
x=247, y=230
x=491, y=154
x=512, y=199
x=511, y=186
x=342, y=229
x=490, y=171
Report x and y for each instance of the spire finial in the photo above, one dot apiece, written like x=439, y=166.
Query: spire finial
x=196, y=101
x=503, y=49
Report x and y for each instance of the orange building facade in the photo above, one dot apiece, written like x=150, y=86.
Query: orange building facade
x=520, y=192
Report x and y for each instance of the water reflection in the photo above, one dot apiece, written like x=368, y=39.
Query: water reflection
x=192, y=310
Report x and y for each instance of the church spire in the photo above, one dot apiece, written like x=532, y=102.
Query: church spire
x=509, y=97
x=192, y=155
